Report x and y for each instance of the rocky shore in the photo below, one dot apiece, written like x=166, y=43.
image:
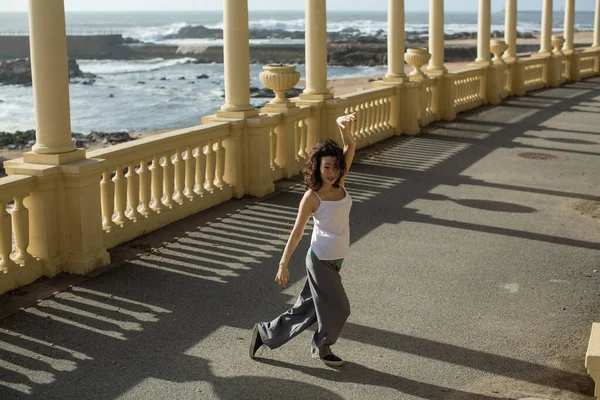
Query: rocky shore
x=12, y=144
x=18, y=72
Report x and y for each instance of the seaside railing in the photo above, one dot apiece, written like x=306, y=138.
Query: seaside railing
x=373, y=113
x=17, y=266
x=121, y=192
x=534, y=73
x=70, y=32
x=427, y=107
x=288, y=141
x=154, y=181
x=588, y=63
x=469, y=89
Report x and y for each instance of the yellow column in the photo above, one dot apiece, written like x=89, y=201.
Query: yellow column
x=483, y=32
x=569, y=26
x=396, y=39
x=436, y=38
x=236, y=57
x=510, y=31
x=545, y=39
x=50, y=76
x=597, y=25
x=316, y=51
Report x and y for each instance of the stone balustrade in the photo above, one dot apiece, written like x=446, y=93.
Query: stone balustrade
x=17, y=266
x=152, y=182
x=469, y=87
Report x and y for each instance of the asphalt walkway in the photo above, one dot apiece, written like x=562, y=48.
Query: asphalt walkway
x=473, y=274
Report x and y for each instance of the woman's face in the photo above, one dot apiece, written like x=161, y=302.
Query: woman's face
x=329, y=170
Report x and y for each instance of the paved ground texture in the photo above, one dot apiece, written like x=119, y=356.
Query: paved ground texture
x=473, y=274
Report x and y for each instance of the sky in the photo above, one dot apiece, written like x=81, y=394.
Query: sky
x=373, y=5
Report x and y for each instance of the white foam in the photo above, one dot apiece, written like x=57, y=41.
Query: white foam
x=109, y=67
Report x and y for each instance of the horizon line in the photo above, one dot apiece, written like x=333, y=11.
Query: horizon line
x=280, y=10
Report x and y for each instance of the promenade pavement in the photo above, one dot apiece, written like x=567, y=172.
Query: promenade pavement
x=473, y=274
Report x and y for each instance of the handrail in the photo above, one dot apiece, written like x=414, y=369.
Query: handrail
x=160, y=143
x=14, y=186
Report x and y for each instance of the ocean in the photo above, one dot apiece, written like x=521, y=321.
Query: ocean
x=149, y=95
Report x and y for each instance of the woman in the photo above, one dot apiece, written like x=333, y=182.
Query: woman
x=323, y=299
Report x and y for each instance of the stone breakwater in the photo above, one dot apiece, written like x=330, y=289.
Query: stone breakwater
x=349, y=47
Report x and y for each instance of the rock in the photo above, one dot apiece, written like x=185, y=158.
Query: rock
x=163, y=79
x=182, y=78
x=109, y=137
x=2, y=171
x=111, y=95
x=203, y=76
x=18, y=72
x=140, y=83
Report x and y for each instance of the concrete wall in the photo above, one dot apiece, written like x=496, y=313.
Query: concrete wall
x=105, y=46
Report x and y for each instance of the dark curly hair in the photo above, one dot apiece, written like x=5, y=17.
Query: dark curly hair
x=323, y=148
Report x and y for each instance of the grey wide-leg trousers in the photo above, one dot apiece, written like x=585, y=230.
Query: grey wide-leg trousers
x=322, y=300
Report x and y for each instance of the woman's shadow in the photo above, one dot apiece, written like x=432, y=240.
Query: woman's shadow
x=356, y=373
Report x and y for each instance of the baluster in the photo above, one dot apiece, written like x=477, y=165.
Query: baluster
x=372, y=122
x=210, y=167
x=303, y=139
x=157, y=184
x=388, y=112
x=120, y=196
x=107, y=197
x=145, y=188
x=379, y=115
x=363, y=120
x=5, y=239
x=354, y=125
x=219, y=164
x=20, y=223
x=297, y=140
x=179, y=167
x=200, y=170
x=168, y=177
x=273, y=149
x=133, y=192
x=190, y=170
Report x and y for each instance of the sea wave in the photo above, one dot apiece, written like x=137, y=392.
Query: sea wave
x=368, y=27
x=111, y=67
x=154, y=33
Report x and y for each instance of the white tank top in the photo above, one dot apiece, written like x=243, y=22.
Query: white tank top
x=331, y=233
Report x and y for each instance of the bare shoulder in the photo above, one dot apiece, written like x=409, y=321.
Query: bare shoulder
x=310, y=200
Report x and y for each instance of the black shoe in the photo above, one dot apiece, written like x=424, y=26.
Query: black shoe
x=256, y=341
x=331, y=360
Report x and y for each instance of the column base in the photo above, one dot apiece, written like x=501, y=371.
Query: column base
x=509, y=58
x=54, y=159
x=395, y=78
x=481, y=63
x=316, y=96
x=82, y=264
x=237, y=114
x=282, y=108
x=436, y=71
x=542, y=54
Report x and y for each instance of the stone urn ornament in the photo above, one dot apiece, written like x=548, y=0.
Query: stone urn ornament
x=416, y=58
x=279, y=78
x=557, y=42
x=498, y=47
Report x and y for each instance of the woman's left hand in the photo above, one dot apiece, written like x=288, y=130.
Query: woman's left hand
x=343, y=120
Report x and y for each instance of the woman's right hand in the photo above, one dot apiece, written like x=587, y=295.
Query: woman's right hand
x=283, y=275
